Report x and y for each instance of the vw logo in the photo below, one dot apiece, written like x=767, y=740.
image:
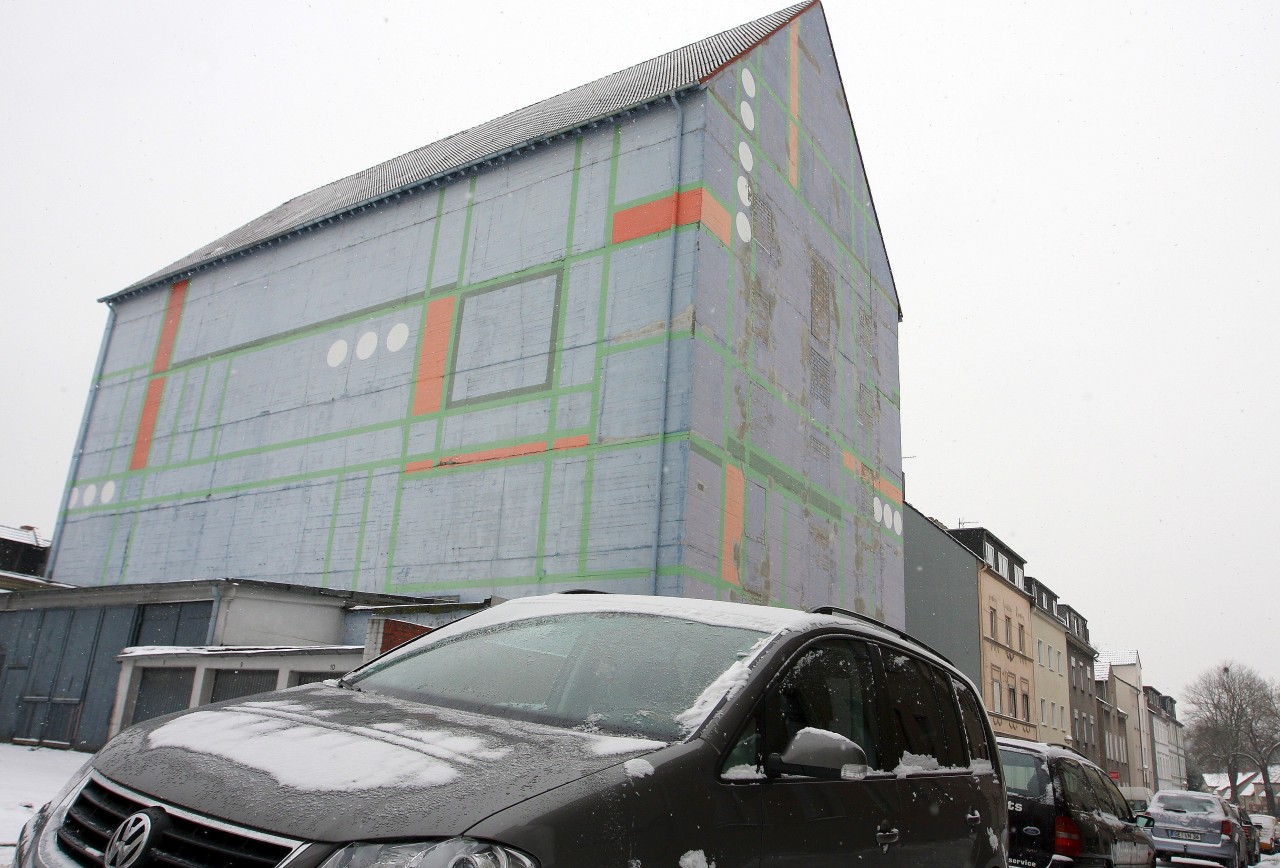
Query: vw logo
x=132, y=838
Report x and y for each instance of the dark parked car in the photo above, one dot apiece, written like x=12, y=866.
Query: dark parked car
x=1251, y=842
x=1064, y=810
x=1197, y=826
x=568, y=730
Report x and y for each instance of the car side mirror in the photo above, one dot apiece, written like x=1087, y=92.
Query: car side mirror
x=1145, y=821
x=819, y=753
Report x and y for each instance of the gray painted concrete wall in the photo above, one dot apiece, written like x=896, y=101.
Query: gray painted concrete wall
x=942, y=593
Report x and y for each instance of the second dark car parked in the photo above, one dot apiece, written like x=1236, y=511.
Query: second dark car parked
x=1062, y=805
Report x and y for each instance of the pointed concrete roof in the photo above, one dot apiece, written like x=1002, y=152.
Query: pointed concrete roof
x=680, y=70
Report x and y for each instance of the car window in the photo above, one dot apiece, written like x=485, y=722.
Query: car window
x=1025, y=775
x=1185, y=803
x=1109, y=798
x=917, y=714
x=1075, y=785
x=626, y=673
x=972, y=716
x=830, y=686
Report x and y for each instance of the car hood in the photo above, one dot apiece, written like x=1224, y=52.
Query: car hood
x=329, y=764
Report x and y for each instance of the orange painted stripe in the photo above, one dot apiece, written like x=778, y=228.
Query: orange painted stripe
x=793, y=128
x=656, y=216
x=576, y=442
x=716, y=218
x=169, y=330
x=147, y=424
x=794, y=34
x=429, y=389
x=419, y=466
x=734, y=515
x=641, y=220
x=879, y=483
x=495, y=454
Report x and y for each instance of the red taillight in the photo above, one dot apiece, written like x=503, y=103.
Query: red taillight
x=1066, y=837
x=1227, y=828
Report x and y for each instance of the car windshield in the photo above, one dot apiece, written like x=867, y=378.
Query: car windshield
x=1184, y=804
x=617, y=672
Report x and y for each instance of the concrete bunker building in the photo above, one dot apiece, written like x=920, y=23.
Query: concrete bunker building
x=640, y=337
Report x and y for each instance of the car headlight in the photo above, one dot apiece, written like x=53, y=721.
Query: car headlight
x=453, y=853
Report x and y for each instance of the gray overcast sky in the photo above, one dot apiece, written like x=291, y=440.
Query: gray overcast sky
x=1081, y=203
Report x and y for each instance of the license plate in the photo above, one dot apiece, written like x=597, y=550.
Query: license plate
x=1186, y=836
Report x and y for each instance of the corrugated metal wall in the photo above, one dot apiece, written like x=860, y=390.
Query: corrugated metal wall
x=461, y=391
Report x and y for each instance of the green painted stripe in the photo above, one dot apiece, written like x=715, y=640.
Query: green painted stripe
x=364, y=524
x=333, y=526
x=115, y=437
x=124, y=372
x=195, y=422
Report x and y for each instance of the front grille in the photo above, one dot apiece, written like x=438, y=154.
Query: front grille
x=191, y=841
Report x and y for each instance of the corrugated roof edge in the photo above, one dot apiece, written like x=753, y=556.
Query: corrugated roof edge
x=687, y=68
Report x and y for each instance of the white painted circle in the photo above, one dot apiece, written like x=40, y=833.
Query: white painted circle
x=745, y=157
x=74, y=498
x=397, y=337
x=748, y=82
x=108, y=492
x=888, y=517
x=90, y=494
x=876, y=509
x=748, y=115
x=897, y=522
x=744, y=227
x=744, y=191
x=337, y=353
x=366, y=345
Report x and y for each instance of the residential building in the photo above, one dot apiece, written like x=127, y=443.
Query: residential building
x=23, y=553
x=1081, y=655
x=1008, y=669
x=1113, y=725
x=1053, y=691
x=1125, y=668
x=1168, y=750
x=639, y=337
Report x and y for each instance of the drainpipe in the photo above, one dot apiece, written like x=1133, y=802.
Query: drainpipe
x=213, y=619
x=84, y=429
x=666, y=355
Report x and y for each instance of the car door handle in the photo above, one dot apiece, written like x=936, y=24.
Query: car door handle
x=973, y=818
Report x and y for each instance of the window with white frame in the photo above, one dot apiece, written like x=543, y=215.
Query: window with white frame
x=989, y=554
x=1042, y=704
x=1019, y=578
x=995, y=693
x=1002, y=564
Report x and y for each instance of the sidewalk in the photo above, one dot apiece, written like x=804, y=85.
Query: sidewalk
x=29, y=777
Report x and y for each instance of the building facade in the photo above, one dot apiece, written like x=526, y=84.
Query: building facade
x=641, y=337
x=1083, y=698
x=1125, y=670
x=1168, y=752
x=1008, y=669
x=942, y=593
x=1113, y=725
x=1053, y=717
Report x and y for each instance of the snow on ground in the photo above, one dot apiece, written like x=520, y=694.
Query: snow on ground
x=29, y=777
